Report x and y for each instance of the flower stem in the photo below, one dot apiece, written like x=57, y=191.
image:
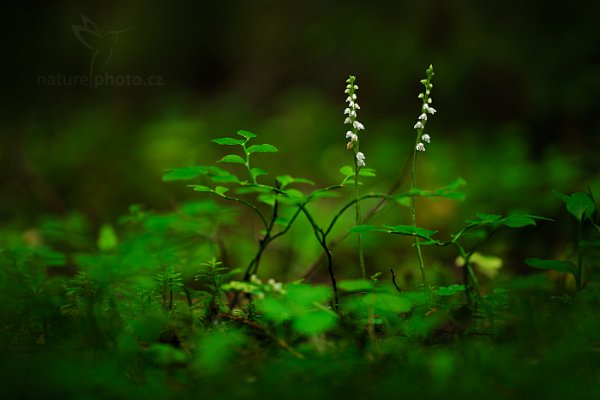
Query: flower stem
x=361, y=256
x=413, y=209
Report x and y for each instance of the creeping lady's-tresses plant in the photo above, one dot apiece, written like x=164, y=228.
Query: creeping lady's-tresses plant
x=359, y=157
x=426, y=108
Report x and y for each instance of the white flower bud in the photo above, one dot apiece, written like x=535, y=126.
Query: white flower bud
x=360, y=159
x=420, y=147
x=358, y=125
x=423, y=117
x=419, y=125
x=426, y=138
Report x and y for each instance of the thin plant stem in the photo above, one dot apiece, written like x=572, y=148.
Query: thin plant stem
x=361, y=256
x=413, y=211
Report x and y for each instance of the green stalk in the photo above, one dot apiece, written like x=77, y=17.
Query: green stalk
x=361, y=256
x=413, y=209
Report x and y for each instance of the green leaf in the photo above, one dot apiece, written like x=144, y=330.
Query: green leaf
x=107, y=238
x=253, y=189
x=410, y=230
x=484, y=219
x=221, y=190
x=262, y=148
x=580, y=205
x=219, y=175
x=388, y=302
x=347, y=171
x=314, y=322
x=232, y=158
x=450, y=290
x=366, y=172
x=557, y=265
x=258, y=172
x=355, y=285
x=306, y=295
x=285, y=180
x=246, y=134
x=521, y=220
x=366, y=228
x=201, y=188
x=228, y=141
x=186, y=173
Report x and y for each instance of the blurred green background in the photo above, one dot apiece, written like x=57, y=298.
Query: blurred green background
x=515, y=89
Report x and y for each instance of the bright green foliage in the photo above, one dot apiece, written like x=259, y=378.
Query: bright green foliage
x=107, y=239
x=580, y=205
x=303, y=305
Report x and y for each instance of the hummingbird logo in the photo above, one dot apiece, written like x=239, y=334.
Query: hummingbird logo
x=101, y=43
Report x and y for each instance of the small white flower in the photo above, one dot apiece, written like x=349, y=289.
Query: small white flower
x=421, y=95
x=354, y=96
x=423, y=117
x=358, y=125
x=356, y=106
x=360, y=159
x=353, y=113
x=347, y=91
x=428, y=92
x=348, y=99
x=352, y=136
x=431, y=110
x=347, y=120
x=420, y=147
x=419, y=125
x=347, y=111
x=425, y=107
x=429, y=100
x=426, y=138
x=355, y=87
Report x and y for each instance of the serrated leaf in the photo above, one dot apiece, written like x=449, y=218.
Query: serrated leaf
x=557, y=265
x=232, y=158
x=579, y=204
x=186, y=173
x=262, y=148
x=246, y=134
x=228, y=141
